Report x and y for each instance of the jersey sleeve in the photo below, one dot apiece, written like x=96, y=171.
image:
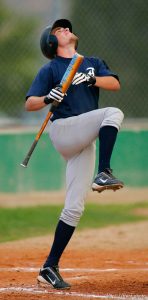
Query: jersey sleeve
x=104, y=70
x=42, y=83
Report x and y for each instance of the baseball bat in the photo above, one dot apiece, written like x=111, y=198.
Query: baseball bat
x=65, y=83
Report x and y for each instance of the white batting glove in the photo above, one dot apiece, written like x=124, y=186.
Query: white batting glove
x=81, y=77
x=56, y=94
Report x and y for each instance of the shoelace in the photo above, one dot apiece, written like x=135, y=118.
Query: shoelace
x=56, y=268
x=109, y=173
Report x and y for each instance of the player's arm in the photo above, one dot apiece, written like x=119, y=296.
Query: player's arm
x=36, y=103
x=41, y=92
x=104, y=77
x=107, y=83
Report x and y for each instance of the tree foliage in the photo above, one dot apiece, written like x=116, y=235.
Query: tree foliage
x=18, y=57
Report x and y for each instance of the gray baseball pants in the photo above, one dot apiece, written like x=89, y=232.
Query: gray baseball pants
x=74, y=138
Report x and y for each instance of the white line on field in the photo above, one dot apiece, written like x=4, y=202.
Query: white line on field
x=87, y=270
x=33, y=290
x=130, y=262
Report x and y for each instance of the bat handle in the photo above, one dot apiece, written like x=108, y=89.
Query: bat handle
x=54, y=105
x=26, y=160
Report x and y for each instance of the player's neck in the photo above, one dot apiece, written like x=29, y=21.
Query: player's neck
x=66, y=52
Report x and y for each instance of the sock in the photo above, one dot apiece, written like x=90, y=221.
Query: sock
x=62, y=236
x=107, y=138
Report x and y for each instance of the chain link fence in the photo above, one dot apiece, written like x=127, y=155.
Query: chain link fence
x=115, y=31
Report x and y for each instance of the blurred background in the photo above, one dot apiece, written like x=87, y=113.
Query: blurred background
x=112, y=30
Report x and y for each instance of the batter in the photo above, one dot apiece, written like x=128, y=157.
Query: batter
x=74, y=127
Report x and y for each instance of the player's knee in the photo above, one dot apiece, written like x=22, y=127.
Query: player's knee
x=113, y=117
x=71, y=216
x=120, y=114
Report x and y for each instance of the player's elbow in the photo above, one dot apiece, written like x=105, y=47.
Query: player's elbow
x=28, y=105
x=116, y=85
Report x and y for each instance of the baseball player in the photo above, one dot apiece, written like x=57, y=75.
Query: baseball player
x=74, y=127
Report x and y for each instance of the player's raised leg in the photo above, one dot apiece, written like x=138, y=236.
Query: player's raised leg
x=107, y=138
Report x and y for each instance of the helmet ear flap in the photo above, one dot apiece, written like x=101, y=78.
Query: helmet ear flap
x=52, y=45
x=48, y=43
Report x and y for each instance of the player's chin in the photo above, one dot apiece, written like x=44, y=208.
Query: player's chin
x=74, y=39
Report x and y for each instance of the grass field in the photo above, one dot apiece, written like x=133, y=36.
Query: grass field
x=23, y=222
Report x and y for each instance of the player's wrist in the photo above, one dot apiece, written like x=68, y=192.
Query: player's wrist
x=47, y=100
x=91, y=80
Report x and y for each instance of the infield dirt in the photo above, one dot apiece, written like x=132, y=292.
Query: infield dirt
x=111, y=261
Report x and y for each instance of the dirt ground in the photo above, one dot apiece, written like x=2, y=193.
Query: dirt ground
x=125, y=195
x=108, y=263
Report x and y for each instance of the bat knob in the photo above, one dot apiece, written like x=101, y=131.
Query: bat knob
x=23, y=165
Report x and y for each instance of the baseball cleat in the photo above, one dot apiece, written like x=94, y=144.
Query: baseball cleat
x=106, y=181
x=51, y=276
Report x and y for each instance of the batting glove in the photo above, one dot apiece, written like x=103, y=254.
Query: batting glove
x=55, y=94
x=81, y=77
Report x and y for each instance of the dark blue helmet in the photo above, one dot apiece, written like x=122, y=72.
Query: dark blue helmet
x=48, y=41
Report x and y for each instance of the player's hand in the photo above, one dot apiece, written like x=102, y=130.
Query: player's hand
x=56, y=94
x=79, y=78
x=82, y=77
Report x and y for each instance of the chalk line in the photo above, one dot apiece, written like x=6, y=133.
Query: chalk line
x=35, y=291
x=75, y=270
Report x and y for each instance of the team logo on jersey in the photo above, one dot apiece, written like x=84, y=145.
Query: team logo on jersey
x=91, y=71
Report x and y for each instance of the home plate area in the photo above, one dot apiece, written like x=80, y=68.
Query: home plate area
x=99, y=264
x=87, y=283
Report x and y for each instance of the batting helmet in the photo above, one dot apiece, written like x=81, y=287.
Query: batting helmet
x=48, y=41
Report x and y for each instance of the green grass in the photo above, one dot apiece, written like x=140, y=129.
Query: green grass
x=18, y=223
